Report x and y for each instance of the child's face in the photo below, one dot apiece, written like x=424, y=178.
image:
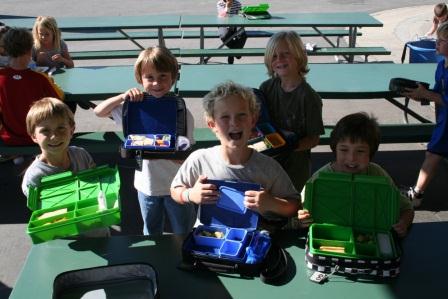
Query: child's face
x=283, y=62
x=156, y=83
x=53, y=135
x=45, y=36
x=351, y=157
x=233, y=122
x=442, y=45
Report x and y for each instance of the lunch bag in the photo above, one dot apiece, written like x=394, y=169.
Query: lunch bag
x=236, y=42
x=112, y=281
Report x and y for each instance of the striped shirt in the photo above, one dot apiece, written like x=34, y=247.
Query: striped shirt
x=234, y=9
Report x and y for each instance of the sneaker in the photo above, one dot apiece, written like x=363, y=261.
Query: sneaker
x=414, y=197
x=230, y=59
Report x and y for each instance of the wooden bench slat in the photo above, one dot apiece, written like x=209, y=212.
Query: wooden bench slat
x=187, y=34
x=109, y=142
x=324, y=51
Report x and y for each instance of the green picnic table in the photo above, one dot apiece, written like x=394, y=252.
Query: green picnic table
x=422, y=272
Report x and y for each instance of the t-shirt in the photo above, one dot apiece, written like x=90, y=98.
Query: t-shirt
x=299, y=111
x=259, y=169
x=46, y=60
x=19, y=89
x=234, y=9
x=374, y=170
x=80, y=159
x=156, y=175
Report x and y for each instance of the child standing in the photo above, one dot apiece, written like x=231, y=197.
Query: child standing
x=437, y=147
x=231, y=112
x=354, y=141
x=49, y=49
x=440, y=16
x=51, y=125
x=228, y=8
x=156, y=69
x=20, y=87
x=292, y=104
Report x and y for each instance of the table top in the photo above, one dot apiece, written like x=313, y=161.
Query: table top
x=337, y=19
x=103, y=22
x=331, y=81
x=423, y=268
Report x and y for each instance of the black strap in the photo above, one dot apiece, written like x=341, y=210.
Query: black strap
x=277, y=265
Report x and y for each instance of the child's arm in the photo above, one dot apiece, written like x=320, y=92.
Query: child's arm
x=200, y=193
x=406, y=218
x=421, y=93
x=105, y=107
x=308, y=142
x=432, y=30
x=263, y=202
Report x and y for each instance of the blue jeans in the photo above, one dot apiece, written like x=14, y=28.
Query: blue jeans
x=154, y=208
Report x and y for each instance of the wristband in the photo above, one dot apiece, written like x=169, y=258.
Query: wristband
x=186, y=198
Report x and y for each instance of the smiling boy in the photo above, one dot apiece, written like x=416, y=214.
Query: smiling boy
x=231, y=112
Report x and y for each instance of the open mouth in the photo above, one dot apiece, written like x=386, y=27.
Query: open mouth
x=236, y=136
x=55, y=145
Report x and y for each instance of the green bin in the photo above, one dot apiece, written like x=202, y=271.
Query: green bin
x=66, y=204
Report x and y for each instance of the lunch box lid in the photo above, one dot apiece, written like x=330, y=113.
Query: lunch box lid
x=229, y=210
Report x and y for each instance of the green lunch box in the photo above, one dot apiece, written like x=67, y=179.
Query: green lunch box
x=67, y=204
x=352, y=224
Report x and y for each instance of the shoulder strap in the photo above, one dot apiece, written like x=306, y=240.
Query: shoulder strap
x=276, y=265
x=181, y=126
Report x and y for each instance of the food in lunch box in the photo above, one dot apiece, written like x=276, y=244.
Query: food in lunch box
x=140, y=140
x=259, y=146
x=337, y=249
x=56, y=220
x=52, y=213
x=364, y=238
x=216, y=234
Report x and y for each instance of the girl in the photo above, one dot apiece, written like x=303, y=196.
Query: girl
x=291, y=102
x=440, y=16
x=49, y=49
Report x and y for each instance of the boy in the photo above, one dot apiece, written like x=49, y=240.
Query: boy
x=437, y=148
x=156, y=69
x=50, y=124
x=231, y=112
x=20, y=87
x=354, y=141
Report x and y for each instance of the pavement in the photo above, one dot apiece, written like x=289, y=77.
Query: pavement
x=403, y=21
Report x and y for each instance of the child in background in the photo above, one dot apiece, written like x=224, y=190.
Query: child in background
x=228, y=8
x=437, y=148
x=231, y=112
x=156, y=69
x=292, y=104
x=49, y=49
x=20, y=87
x=4, y=59
x=354, y=141
x=440, y=16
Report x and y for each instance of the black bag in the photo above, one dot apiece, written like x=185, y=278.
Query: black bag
x=236, y=42
x=113, y=281
x=228, y=242
x=166, y=117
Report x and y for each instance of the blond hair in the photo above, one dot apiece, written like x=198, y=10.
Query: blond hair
x=50, y=24
x=295, y=46
x=47, y=108
x=226, y=89
x=160, y=57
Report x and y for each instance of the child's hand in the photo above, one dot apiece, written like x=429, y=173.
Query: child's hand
x=259, y=201
x=203, y=192
x=57, y=58
x=134, y=95
x=417, y=94
x=305, y=218
x=401, y=228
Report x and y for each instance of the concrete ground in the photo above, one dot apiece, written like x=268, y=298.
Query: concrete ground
x=403, y=21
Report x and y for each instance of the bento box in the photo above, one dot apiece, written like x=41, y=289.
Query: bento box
x=68, y=204
x=227, y=239
x=155, y=128
x=259, y=11
x=269, y=141
x=352, y=224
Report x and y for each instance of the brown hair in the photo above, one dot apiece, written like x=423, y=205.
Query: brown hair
x=440, y=10
x=160, y=57
x=47, y=108
x=17, y=42
x=357, y=127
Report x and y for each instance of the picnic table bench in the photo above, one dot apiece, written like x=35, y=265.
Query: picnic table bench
x=222, y=52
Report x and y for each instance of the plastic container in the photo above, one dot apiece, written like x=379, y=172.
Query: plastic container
x=423, y=51
x=349, y=212
x=66, y=204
